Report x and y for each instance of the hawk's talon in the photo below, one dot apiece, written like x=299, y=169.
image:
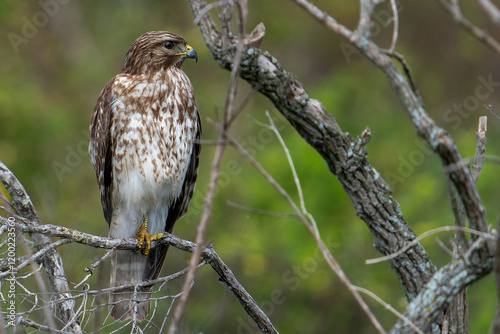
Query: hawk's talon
x=144, y=238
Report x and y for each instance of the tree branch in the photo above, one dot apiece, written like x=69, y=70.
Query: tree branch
x=226, y=276
x=458, y=171
x=491, y=10
x=312, y=228
x=441, y=289
x=346, y=158
x=344, y=155
x=39, y=327
x=481, y=35
x=425, y=127
x=214, y=177
x=52, y=261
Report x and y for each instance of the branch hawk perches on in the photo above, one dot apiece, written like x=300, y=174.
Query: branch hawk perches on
x=144, y=145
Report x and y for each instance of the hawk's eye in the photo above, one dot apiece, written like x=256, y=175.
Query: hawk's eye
x=169, y=45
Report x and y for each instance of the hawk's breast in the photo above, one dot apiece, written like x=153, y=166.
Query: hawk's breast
x=152, y=132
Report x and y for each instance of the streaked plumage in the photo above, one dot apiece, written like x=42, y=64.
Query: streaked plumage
x=144, y=145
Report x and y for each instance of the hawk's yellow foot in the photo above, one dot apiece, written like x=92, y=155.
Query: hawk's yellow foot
x=144, y=238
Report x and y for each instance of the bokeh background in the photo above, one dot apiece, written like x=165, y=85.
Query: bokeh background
x=50, y=80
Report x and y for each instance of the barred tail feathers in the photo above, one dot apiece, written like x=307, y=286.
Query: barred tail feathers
x=128, y=268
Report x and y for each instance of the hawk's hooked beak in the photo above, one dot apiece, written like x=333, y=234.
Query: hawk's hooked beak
x=190, y=53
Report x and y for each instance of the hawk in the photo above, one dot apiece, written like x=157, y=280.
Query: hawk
x=144, y=145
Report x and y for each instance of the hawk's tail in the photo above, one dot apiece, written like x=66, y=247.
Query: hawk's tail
x=128, y=303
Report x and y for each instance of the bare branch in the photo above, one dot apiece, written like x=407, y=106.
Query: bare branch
x=92, y=267
x=406, y=69
x=34, y=257
x=481, y=35
x=425, y=235
x=344, y=155
x=491, y=10
x=456, y=318
x=395, y=21
x=365, y=23
x=39, y=327
x=208, y=253
x=477, y=166
x=311, y=227
x=23, y=206
x=448, y=281
x=437, y=138
x=214, y=177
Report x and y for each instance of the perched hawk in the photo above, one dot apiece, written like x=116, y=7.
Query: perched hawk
x=144, y=145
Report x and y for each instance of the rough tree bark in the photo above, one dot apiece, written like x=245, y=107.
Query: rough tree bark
x=429, y=292
x=345, y=156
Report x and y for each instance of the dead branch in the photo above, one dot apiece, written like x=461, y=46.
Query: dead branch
x=482, y=35
x=309, y=223
x=39, y=327
x=454, y=166
x=425, y=127
x=226, y=276
x=478, y=163
x=52, y=261
x=440, y=291
x=491, y=10
x=344, y=155
x=241, y=9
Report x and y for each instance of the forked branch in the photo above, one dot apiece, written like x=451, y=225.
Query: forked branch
x=344, y=155
x=27, y=222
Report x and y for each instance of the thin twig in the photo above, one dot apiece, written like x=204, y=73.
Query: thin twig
x=53, y=264
x=243, y=104
x=295, y=177
x=426, y=234
x=490, y=108
x=33, y=258
x=207, y=253
x=389, y=308
x=39, y=327
x=205, y=10
x=395, y=20
x=92, y=267
x=407, y=70
x=460, y=217
x=35, y=269
x=200, y=235
x=478, y=164
x=491, y=10
x=480, y=34
x=324, y=250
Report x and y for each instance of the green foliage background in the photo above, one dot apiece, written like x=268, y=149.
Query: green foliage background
x=48, y=89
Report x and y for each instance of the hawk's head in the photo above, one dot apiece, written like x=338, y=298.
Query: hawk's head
x=157, y=50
